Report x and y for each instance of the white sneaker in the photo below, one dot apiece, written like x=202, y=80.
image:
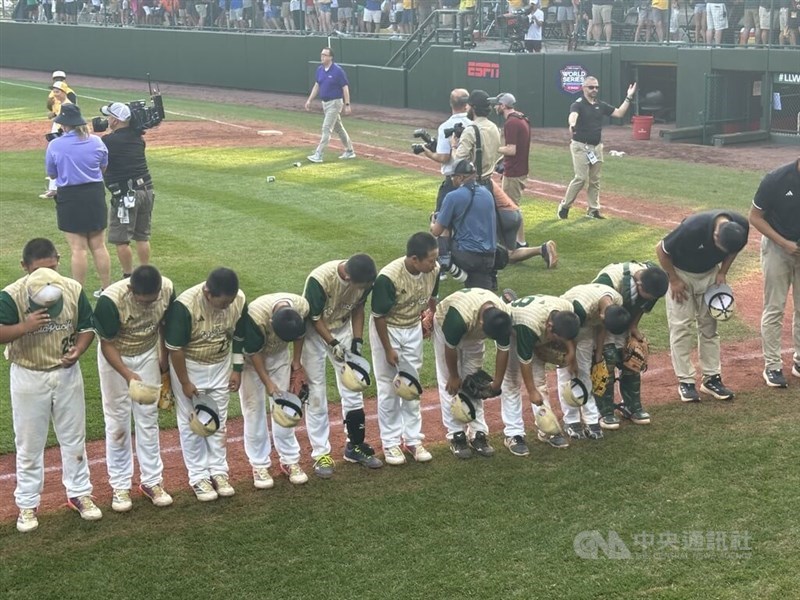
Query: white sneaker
x=86, y=508
x=346, y=155
x=204, y=491
x=315, y=158
x=121, y=501
x=27, y=520
x=223, y=486
x=296, y=475
x=394, y=456
x=419, y=453
x=157, y=494
x=262, y=480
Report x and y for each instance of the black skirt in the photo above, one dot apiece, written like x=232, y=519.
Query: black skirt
x=82, y=208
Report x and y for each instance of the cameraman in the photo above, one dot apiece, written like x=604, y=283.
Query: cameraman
x=131, y=187
x=480, y=143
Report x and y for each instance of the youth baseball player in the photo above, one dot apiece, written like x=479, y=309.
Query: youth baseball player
x=46, y=325
x=462, y=321
x=403, y=290
x=272, y=321
x=128, y=319
x=599, y=309
x=201, y=325
x=336, y=292
x=536, y=321
x=640, y=285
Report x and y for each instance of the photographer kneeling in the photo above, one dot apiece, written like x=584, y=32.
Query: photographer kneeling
x=468, y=213
x=130, y=184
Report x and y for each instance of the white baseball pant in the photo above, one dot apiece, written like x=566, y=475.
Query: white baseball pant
x=511, y=395
x=583, y=354
x=117, y=409
x=35, y=396
x=470, y=359
x=207, y=456
x=253, y=399
x=399, y=420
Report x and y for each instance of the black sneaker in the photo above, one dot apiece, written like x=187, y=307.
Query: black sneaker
x=563, y=213
x=481, y=445
x=714, y=387
x=574, y=430
x=459, y=446
x=517, y=446
x=688, y=392
x=775, y=378
x=593, y=213
x=357, y=453
x=594, y=432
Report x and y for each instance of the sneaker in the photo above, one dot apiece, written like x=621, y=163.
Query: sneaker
x=204, y=491
x=394, y=456
x=556, y=441
x=775, y=378
x=563, y=213
x=97, y=293
x=480, y=444
x=593, y=213
x=688, y=392
x=27, y=520
x=49, y=194
x=639, y=417
x=509, y=295
x=157, y=494
x=419, y=453
x=714, y=387
x=574, y=431
x=356, y=453
x=315, y=158
x=517, y=446
x=549, y=254
x=121, y=501
x=442, y=275
x=522, y=245
x=223, y=486
x=459, y=446
x=86, y=508
x=324, y=467
x=593, y=432
x=796, y=369
x=262, y=480
x=296, y=475
x=347, y=155
x=610, y=422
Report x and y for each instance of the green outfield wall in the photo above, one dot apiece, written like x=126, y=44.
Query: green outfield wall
x=729, y=87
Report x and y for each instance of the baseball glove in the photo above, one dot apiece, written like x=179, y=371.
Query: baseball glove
x=478, y=385
x=600, y=378
x=426, y=318
x=167, y=400
x=634, y=355
x=298, y=383
x=552, y=352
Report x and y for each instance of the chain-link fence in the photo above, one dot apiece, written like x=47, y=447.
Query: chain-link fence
x=785, y=116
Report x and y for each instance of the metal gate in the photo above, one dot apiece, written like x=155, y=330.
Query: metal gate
x=785, y=106
x=724, y=95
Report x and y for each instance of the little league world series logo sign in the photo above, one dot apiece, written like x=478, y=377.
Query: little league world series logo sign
x=572, y=77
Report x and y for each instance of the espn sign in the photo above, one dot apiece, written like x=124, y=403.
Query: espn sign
x=483, y=70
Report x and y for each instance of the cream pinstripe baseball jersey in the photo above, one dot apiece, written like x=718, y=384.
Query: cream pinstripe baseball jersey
x=400, y=296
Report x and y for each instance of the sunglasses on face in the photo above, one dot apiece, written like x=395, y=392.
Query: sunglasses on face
x=592, y=87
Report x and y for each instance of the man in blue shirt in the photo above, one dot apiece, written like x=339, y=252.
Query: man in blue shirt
x=333, y=89
x=468, y=213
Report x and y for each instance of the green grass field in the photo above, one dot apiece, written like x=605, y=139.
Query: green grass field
x=502, y=528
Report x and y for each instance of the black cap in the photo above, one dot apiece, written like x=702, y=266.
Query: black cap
x=464, y=167
x=478, y=98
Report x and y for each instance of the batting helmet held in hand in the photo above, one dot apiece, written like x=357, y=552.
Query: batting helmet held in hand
x=719, y=299
x=463, y=408
x=355, y=373
x=287, y=409
x=406, y=382
x=546, y=421
x=143, y=393
x=204, y=420
x=574, y=393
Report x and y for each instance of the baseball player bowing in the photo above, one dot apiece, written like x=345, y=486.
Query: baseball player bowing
x=404, y=288
x=336, y=292
x=128, y=319
x=272, y=321
x=200, y=327
x=537, y=322
x=640, y=285
x=46, y=324
x=462, y=322
x=599, y=309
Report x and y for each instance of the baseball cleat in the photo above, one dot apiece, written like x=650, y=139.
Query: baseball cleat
x=574, y=431
x=775, y=378
x=563, y=213
x=516, y=445
x=296, y=475
x=688, y=392
x=419, y=453
x=27, y=520
x=549, y=254
x=610, y=422
x=204, y=491
x=714, y=387
x=324, y=467
x=394, y=456
x=86, y=507
x=593, y=432
x=638, y=417
x=121, y=501
x=359, y=454
x=223, y=486
x=262, y=480
x=480, y=444
x=157, y=494
x=459, y=446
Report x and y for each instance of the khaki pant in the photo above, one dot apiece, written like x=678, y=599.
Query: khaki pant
x=584, y=172
x=513, y=187
x=332, y=122
x=683, y=318
x=781, y=272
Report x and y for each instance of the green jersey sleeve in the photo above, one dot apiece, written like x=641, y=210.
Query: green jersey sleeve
x=106, y=318
x=316, y=297
x=9, y=315
x=178, y=330
x=85, y=321
x=454, y=328
x=384, y=296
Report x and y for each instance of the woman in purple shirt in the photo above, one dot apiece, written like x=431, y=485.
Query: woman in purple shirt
x=76, y=160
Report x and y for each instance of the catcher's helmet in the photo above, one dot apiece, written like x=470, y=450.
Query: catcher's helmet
x=463, y=408
x=546, y=421
x=144, y=393
x=719, y=299
x=204, y=420
x=406, y=382
x=575, y=393
x=287, y=409
x=355, y=373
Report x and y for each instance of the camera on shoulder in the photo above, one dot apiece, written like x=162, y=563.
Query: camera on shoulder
x=140, y=114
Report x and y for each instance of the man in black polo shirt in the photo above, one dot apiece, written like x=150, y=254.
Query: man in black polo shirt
x=696, y=255
x=586, y=117
x=131, y=187
x=776, y=214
